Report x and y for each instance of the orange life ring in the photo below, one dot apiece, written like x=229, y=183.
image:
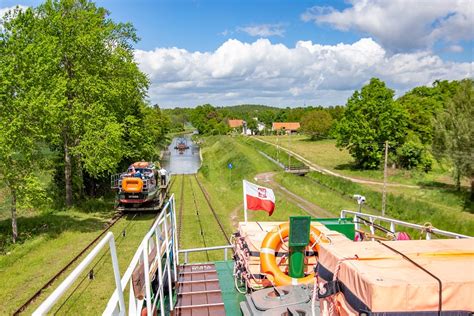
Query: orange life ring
x=271, y=242
x=132, y=185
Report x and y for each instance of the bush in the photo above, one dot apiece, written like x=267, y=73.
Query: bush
x=413, y=154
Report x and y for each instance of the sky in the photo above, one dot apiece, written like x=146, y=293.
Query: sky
x=292, y=53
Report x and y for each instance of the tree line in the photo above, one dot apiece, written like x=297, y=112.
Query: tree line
x=72, y=99
x=424, y=124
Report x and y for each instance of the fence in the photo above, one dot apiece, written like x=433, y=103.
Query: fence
x=394, y=222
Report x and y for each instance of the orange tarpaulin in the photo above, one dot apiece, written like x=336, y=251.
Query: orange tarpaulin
x=384, y=281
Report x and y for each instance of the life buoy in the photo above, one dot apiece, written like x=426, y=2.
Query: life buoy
x=271, y=242
x=132, y=185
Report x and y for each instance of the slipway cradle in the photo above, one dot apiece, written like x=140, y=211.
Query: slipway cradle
x=400, y=277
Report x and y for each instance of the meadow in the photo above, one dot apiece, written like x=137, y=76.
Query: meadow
x=325, y=154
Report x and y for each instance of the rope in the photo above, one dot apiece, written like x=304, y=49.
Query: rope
x=282, y=241
x=329, y=303
x=440, y=284
x=427, y=228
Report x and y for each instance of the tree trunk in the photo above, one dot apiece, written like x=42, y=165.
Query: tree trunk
x=14, y=225
x=67, y=173
x=79, y=175
x=472, y=189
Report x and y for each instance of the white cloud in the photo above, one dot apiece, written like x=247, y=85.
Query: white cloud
x=455, y=48
x=262, y=72
x=264, y=30
x=3, y=11
x=402, y=25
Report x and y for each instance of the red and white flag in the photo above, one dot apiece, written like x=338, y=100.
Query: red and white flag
x=258, y=198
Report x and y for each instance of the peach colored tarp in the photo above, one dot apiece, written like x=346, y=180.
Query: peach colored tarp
x=386, y=282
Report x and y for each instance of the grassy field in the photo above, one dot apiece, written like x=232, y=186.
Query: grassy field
x=225, y=191
x=55, y=239
x=326, y=154
x=436, y=187
x=404, y=206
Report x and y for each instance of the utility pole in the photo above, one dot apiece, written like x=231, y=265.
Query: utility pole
x=278, y=150
x=384, y=192
x=289, y=156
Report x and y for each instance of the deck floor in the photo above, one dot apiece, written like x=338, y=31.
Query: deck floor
x=207, y=289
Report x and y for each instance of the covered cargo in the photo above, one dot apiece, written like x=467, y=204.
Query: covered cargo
x=373, y=278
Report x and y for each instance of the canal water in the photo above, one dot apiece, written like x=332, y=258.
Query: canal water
x=182, y=161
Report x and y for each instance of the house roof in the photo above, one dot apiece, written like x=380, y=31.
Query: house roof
x=235, y=123
x=289, y=126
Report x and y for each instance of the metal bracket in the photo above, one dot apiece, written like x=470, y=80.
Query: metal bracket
x=330, y=288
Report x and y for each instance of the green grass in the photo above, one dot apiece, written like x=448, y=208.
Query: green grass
x=49, y=240
x=404, y=207
x=199, y=227
x=317, y=194
x=279, y=155
x=325, y=153
x=436, y=189
x=101, y=288
x=227, y=194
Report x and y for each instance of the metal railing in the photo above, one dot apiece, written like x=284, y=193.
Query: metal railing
x=163, y=236
x=185, y=252
x=394, y=222
x=66, y=284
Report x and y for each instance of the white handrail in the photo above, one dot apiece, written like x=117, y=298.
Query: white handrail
x=66, y=284
x=159, y=227
x=187, y=251
x=394, y=222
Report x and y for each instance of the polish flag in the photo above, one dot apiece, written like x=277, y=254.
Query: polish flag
x=258, y=198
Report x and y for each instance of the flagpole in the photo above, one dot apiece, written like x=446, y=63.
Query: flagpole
x=245, y=202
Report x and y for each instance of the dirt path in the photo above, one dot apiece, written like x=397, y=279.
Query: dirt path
x=234, y=218
x=314, y=210
x=320, y=169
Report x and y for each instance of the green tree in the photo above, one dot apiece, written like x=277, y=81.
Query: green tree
x=208, y=120
x=316, y=124
x=102, y=88
x=371, y=118
x=252, y=125
x=455, y=134
x=21, y=107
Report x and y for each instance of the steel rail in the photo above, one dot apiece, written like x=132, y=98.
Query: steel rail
x=206, y=196
x=58, y=274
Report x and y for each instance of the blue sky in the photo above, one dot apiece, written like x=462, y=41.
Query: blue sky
x=289, y=53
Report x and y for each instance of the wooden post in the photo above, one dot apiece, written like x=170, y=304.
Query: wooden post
x=384, y=191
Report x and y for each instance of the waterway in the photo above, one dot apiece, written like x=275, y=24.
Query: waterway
x=185, y=161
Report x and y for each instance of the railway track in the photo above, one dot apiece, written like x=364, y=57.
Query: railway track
x=180, y=211
x=112, y=222
x=206, y=196
x=198, y=216
x=199, y=207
